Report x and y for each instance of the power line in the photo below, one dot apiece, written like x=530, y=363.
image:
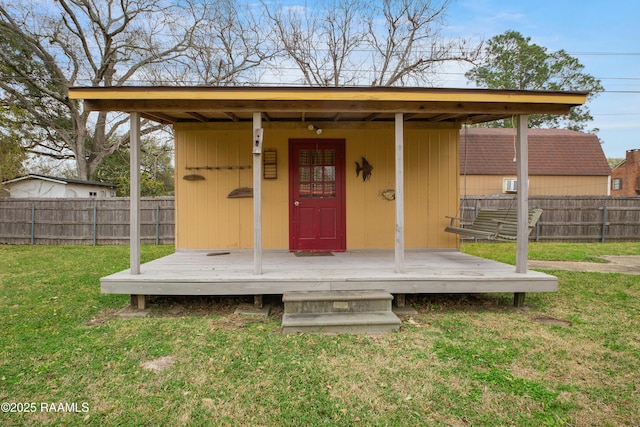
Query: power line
x=605, y=53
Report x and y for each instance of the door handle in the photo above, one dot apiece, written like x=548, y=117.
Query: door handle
x=296, y=203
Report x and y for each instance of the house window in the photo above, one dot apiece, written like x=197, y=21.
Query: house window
x=92, y=194
x=616, y=184
x=510, y=185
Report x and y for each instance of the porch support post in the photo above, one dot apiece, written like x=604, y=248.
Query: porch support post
x=522, y=246
x=257, y=196
x=134, y=190
x=399, y=238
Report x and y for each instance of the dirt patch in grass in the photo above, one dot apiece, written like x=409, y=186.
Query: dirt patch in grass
x=547, y=320
x=186, y=306
x=159, y=364
x=614, y=264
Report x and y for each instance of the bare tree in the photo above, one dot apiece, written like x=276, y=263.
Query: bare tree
x=410, y=47
x=322, y=42
x=227, y=48
x=379, y=43
x=112, y=43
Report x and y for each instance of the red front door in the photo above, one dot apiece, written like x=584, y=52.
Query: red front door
x=317, y=195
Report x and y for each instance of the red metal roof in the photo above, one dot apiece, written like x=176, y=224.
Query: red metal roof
x=491, y=151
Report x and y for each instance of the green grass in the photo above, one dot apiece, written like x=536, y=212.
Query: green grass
x=505, y=252
x=463, y=360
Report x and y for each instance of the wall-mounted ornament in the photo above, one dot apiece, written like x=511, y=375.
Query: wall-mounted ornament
x=388, y=194
x=365, y=168
x=270, y=164
x=193, y=177
x=217, y=168
x=239, y=193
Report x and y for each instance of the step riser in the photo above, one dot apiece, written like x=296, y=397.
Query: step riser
x=337, y=306
x=339, y=312
x=341, y=323
x=346, y=329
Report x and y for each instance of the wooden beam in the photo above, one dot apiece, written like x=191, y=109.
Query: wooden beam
x=371, y=107
x=134, y=191
x=165, y=119
x=257, y=199
x=371, y=117
x=197, y=116
x=231, y=116
x=522, y=245
x=399, y=232
x=442, y=117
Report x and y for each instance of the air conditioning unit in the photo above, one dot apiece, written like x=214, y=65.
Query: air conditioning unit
x=510, y=185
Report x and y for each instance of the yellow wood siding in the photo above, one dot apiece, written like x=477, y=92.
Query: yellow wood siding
x=206, y=218
x=483, y=185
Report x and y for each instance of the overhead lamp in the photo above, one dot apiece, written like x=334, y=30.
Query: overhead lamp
x=312, y=128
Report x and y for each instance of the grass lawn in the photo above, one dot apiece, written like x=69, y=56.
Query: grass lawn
x=463, y=360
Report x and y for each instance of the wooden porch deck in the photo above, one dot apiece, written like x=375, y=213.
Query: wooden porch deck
x=428, y=271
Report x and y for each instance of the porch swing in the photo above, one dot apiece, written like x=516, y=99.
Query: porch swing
x=489, y=224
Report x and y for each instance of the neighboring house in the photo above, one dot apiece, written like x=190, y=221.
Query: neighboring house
x=561, y=162
x=34, y=185
x=625, y=177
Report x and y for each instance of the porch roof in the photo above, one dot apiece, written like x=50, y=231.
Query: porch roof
x=215, y=104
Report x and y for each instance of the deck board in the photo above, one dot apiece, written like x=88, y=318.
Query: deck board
x=195, y=273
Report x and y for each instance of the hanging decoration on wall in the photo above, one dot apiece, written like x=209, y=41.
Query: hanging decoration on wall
x=366, y=169
x=193, y=177
x=388, y=194
x=270, y=164
x=217, y=168
x=240, y=193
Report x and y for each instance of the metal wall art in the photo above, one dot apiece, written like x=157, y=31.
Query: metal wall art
x=365, y=168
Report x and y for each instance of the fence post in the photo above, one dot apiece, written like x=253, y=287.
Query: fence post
x=604, y=222
x=33, y=224
x=95, y=223
x=157, y=225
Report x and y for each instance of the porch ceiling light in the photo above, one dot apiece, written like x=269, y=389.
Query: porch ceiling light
x=312, y=128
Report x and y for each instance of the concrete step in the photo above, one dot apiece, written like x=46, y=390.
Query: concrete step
x=336, y=301
x=340, y=323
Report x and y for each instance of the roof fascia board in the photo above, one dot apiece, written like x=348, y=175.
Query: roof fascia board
x=338, y=94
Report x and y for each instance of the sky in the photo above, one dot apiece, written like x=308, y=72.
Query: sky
x=603, y=35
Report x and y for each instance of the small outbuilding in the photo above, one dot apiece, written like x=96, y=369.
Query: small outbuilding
x=42, y=186
x=269, y=177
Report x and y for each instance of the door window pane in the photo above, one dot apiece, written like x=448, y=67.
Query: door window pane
x=305, y=174
x=317, y=173
x=329, y=157
x=317, y=190
x=304, y=157
x=317, y=157
x=304, y=190
x=330, y=190
x=329, y=173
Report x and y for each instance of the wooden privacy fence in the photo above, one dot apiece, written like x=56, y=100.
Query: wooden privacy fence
x=83, y=221
x=571, y=218
x=106, y=221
